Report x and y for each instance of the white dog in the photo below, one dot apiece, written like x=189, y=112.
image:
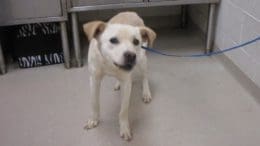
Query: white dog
x=115, y=49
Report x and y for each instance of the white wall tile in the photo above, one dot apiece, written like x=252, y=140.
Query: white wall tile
x=255, y=11
x=238, y=21
x=243, y=4
x=251, y=30
x=234, y=21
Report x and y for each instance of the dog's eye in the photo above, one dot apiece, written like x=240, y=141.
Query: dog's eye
x=114, y=40
x=136, y=41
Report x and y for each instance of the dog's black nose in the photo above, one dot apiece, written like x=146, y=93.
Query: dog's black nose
x=130, y=58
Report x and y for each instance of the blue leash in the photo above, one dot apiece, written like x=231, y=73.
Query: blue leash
x=203, y=55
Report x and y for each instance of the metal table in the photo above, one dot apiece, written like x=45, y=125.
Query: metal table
x=15, y=12
x=76, y=6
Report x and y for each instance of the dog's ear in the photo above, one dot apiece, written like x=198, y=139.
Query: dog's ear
x=148, y=35
x=94, y=29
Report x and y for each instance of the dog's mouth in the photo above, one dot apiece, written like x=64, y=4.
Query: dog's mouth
x=126, y=67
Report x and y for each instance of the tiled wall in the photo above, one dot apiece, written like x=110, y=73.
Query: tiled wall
x=238, y=21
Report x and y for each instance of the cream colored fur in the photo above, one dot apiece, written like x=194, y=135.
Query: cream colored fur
x=104, y=56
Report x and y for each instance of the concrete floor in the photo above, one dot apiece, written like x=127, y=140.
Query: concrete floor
x=197, y=102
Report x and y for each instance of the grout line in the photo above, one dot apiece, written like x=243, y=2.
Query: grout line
x=244, y=11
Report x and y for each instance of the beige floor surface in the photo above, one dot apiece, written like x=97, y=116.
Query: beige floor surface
x=197, y=102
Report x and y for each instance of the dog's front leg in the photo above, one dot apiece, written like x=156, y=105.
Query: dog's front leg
x=95, y=82
x=125, y=131
x=146, y=88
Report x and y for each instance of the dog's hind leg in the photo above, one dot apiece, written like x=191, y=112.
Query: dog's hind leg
x=95, y=82
x=117, y=86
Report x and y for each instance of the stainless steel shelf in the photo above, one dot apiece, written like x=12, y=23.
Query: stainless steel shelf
x=155, y=3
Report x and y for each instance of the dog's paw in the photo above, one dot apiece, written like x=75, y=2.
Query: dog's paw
x=147, y=98
x=125, y=133
x=117, y=87
x=91, y=124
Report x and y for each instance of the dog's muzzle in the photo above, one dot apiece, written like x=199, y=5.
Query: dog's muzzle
x=129, y=61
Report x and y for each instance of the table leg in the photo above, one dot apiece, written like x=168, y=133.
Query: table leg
x=76, y=40
x=2, y=61
x=211, y=28
x=184, y=16
x=65, y=44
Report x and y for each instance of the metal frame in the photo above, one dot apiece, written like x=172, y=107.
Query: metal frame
x=74, y=10
x=2, y=61
x=76, y=39
x=65, y=44
x=143, y=4
x=62, y=17
x=211, y=28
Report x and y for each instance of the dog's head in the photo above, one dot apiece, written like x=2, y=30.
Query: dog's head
x=120, y=44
